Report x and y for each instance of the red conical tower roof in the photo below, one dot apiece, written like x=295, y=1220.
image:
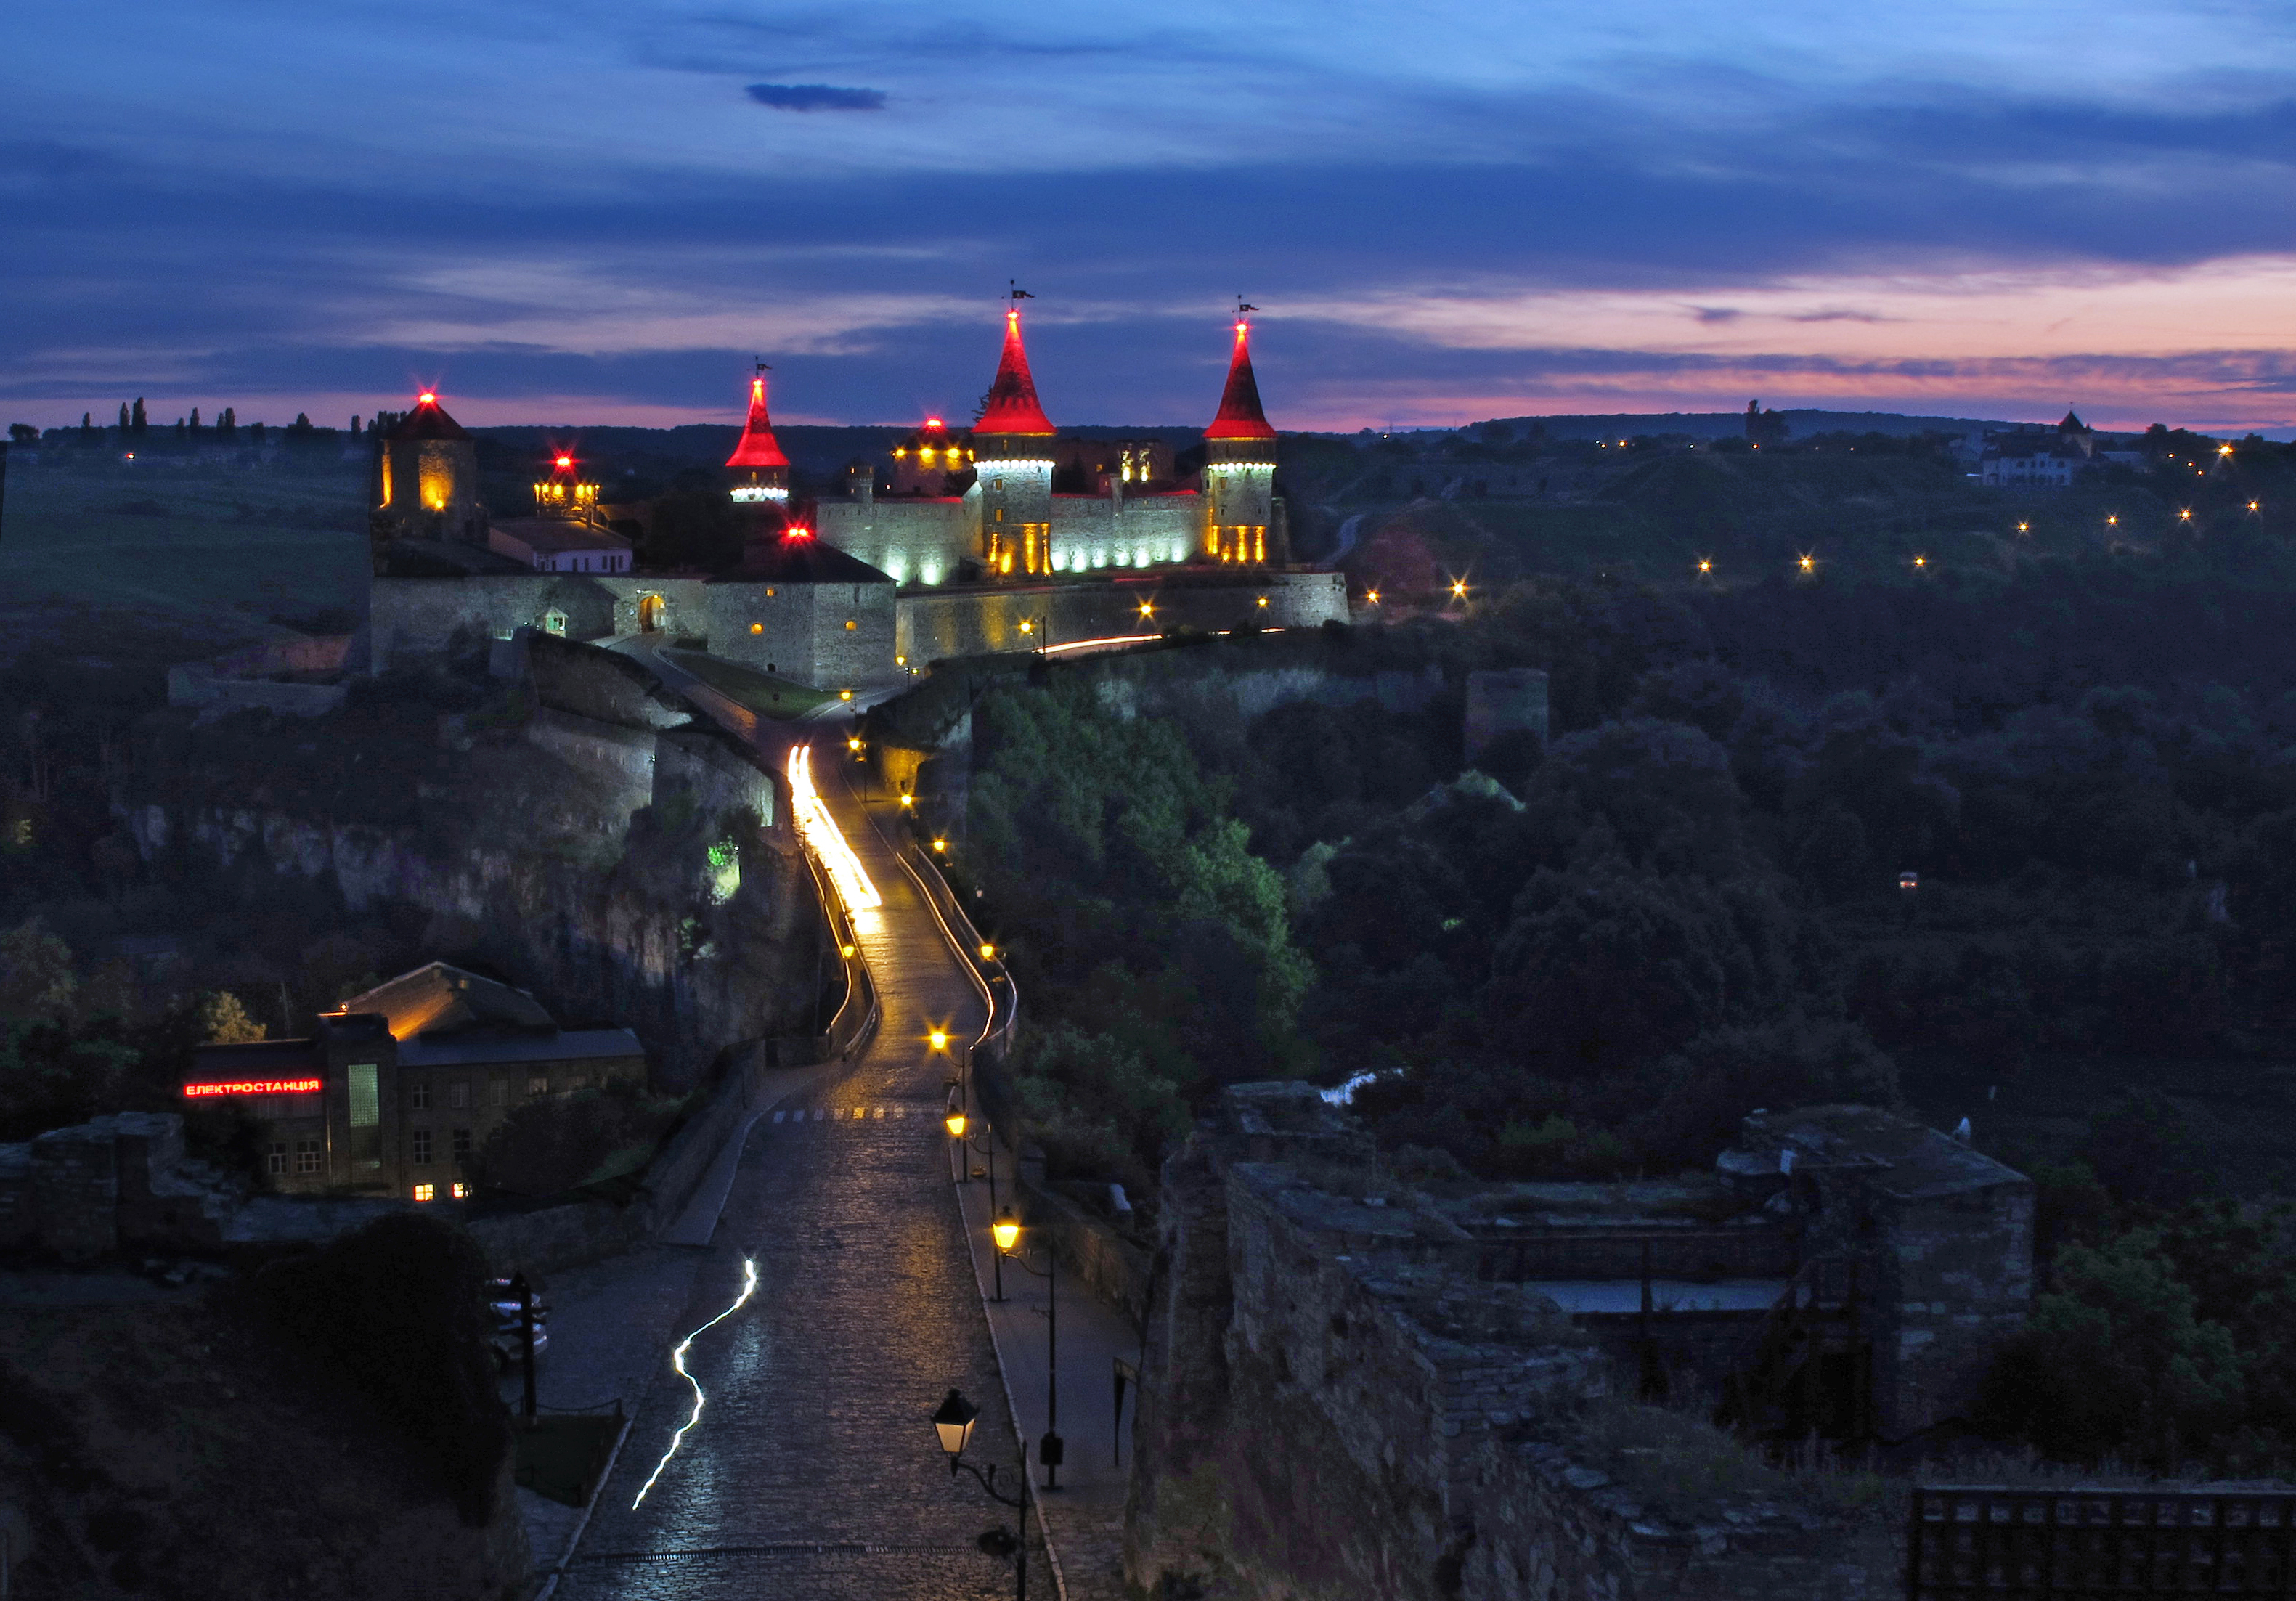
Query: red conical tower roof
x=1240, y=417
x=1013, y=408
x=758, y=448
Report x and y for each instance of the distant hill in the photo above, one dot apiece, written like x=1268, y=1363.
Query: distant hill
x=1725, y=424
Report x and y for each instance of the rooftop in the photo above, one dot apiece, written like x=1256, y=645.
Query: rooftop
x=437, y=998
x=1908, y=1160
x=552, y=535
x=804, y=558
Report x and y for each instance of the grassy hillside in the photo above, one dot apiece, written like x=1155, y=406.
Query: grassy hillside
x=95, y=551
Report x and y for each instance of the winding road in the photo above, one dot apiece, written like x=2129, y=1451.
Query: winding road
x=813, y=1470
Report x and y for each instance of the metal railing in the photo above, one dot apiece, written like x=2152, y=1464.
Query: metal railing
x=1984, y=1541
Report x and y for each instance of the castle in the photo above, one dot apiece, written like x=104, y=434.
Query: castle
x=972, y=550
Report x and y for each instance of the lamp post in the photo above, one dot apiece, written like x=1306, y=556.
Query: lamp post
x=1051, y=1449
x=953, y=1422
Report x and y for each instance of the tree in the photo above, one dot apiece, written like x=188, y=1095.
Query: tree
x=137, y=422
x=123, y=419
x=301, y=428
x=23, y=433
x=36, y=973
x=195, y=419
x=87, y=425
x=223, y=1020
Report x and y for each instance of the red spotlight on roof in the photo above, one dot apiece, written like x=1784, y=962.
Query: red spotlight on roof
x=427, y=398
x=565, y=461
x=799, y=533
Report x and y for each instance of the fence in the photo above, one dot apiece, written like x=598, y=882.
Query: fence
x=2010, y=1545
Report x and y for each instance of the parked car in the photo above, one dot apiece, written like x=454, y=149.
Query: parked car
x=505, y=1326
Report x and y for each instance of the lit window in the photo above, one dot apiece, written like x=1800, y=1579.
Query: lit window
x=276, y=1162
x=421, y=1144
x=425, y=1192
x=461, y=1191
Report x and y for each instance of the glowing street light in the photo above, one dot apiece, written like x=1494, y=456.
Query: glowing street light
x=940, y=1038
x=1807, y=563
x=1051, y=1449
x=941, y=846
x=2113, y=520
x=956, y=1121
x=1458, y=589
x=1705, y=565
x=2185, y=516
x=853, y=744
x=1005, y=1231
x=952, y=1422
x=1147, y=608
x=908, y=798
x=987, y=951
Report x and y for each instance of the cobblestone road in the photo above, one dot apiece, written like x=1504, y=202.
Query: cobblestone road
x=813, y=1470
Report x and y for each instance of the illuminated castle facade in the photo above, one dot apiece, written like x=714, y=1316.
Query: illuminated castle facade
x=980, y=507
x=973, y=551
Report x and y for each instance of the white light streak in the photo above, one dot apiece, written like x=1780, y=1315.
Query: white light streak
x=677, y=1360
x=819, y=830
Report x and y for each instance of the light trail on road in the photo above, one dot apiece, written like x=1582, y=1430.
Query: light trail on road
x=819, y=830
x=677, y=1360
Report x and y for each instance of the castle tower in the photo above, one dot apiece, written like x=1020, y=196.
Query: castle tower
x=759, y=469
x=427, y=480
x=1013, y=456
x=562, y=496
x=1240, y=521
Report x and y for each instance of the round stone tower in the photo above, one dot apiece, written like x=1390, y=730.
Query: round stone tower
x=1240, y=526
x=1012, y=457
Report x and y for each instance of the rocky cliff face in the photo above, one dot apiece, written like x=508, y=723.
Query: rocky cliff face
x=666, y=897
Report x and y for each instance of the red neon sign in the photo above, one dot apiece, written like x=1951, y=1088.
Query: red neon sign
x=256, y=1087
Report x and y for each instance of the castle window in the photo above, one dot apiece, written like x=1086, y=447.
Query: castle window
x=458, y=1093
x=426, y=1192
x=422, y=1146
x=419, y=1096
x=461, y=1145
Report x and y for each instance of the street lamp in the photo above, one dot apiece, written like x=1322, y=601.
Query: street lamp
x=1051, y=1449
x=953, y=1422
x=939, y=1039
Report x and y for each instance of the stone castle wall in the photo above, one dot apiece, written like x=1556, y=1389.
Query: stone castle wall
x=936, y=625
x=800, y=632
x=1332, y=1407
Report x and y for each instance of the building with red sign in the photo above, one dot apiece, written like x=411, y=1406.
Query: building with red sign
x=392, y=1095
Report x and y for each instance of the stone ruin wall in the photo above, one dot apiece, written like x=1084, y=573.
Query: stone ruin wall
x=1332, y=1409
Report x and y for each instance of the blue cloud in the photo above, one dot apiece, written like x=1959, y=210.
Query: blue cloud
x=815, y=97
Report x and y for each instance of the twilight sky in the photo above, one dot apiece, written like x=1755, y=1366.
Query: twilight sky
x=595, y=212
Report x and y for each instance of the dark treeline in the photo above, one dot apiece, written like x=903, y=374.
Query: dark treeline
x=1590, y=960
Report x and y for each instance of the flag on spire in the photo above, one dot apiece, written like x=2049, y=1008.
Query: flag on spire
x=1011, y=407
x=1240, y=417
